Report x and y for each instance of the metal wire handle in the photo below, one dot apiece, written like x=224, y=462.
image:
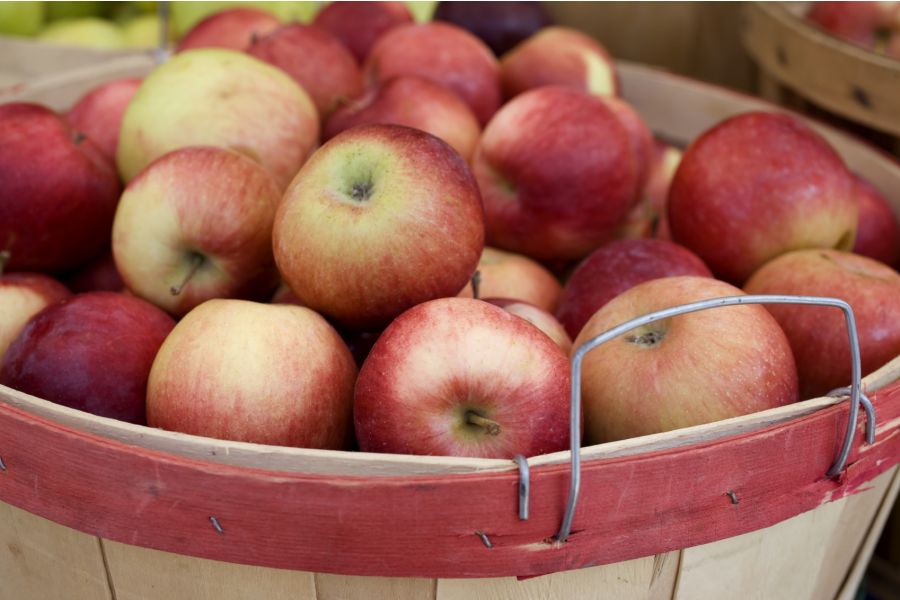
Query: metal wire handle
x=575, y=412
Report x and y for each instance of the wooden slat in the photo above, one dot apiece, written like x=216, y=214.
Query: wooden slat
x=651, y=578
x=40, y=560
x=348, y=587
x=143, y=574
x=806, y=557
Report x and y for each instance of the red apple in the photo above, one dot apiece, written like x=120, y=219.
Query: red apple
x=194, y=225
x=58, y=192
x=648, y=217
x=215, y=97
x=91, y=352
x=393, y=211
x=316, y=60
x=559, y=56
x=101, y=275
x=249, y=372
x=98, y=114
x=444, y=54
x=686, y=370
x=414, y=102
x=538, y=317
x=640, y=138
x=878, y=233
x=856, y=22
x=617, y=267
x=556, y=172
x=23, y=295
x=758, y=185
x=818, y=335
x=459, y=377
x=234, y=29
x=509, y=275
x=359, y=24
x=500, y=25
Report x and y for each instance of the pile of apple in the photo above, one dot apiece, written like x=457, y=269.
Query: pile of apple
x=871, y=25
x=369, y=233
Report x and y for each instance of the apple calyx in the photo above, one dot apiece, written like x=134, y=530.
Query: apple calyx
x=490, y=427
x=197, y=261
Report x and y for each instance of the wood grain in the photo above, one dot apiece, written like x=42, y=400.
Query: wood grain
x=344, y=587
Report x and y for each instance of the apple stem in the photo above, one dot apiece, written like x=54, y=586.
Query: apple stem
x=5, y=255
x=491, y=427
x=196, y=262
x=476, y=284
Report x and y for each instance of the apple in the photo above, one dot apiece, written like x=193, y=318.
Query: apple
x=414, y=102
x=460, y=377
x=196, y=224
x=75, y=10
x=88, y=32
x=217, y=97
x=758, y=185
x=648, y=217
x=23, y=295
x=500, y=25
x=640, y=138
x=100, y=275
x=234, y=29
x=285, y=295
x=686, y=370
x=556, y=172
x=559, y=56
x=616, y=267
x=510, y=275
x=393, y=211
x=818, y=335
x=315, y=59
x=878, y=233
x=98, y=113
x=444, y=54
x=359, y=24
x=21, y=18
x=855, y=22
x=59, y=193
x=143, y=31
x=538, y=317
x=267, y=374
x=186, y=15
x=91, y=352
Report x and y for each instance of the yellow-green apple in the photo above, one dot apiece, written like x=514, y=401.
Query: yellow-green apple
x=617, y=267
x=648, y=217
x=98, y=113
x=234, y=29
x=250, y=372
x=76, y=9
x=758, y=185
x=100, y=275
x=445, y=54
x=500, y=25
x=315, y=59
x=59, y=193
x=381, y=218
x=23, y=295
x=88, y=32
x=460, y=377
x=510, y=275
x=217, y=97
x=143, y=31
x=682, y=371
x=92, y=352
x=196, y=224
x=818, y=335
x=556, y=172
x=538, y=317
x=21, y=18
x=414, y=102
x=877, y=233
x=559, y=56
x=359, y=24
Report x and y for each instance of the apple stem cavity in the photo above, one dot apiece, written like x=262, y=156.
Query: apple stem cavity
x=476, y=284
x=490, y=427
x=197, y=261
x=648, y=339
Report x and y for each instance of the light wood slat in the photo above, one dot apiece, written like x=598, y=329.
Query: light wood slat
x=144, y=574
x=40, y=560
x=342, y=587
x=651, y=578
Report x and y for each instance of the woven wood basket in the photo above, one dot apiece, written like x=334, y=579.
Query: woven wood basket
x=92, y=508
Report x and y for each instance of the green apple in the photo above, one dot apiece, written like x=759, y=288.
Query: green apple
x=21, y=18
x=89, y=33
x=75, y=10
x=142, y=32
x=187, y=14
x=421, y=10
